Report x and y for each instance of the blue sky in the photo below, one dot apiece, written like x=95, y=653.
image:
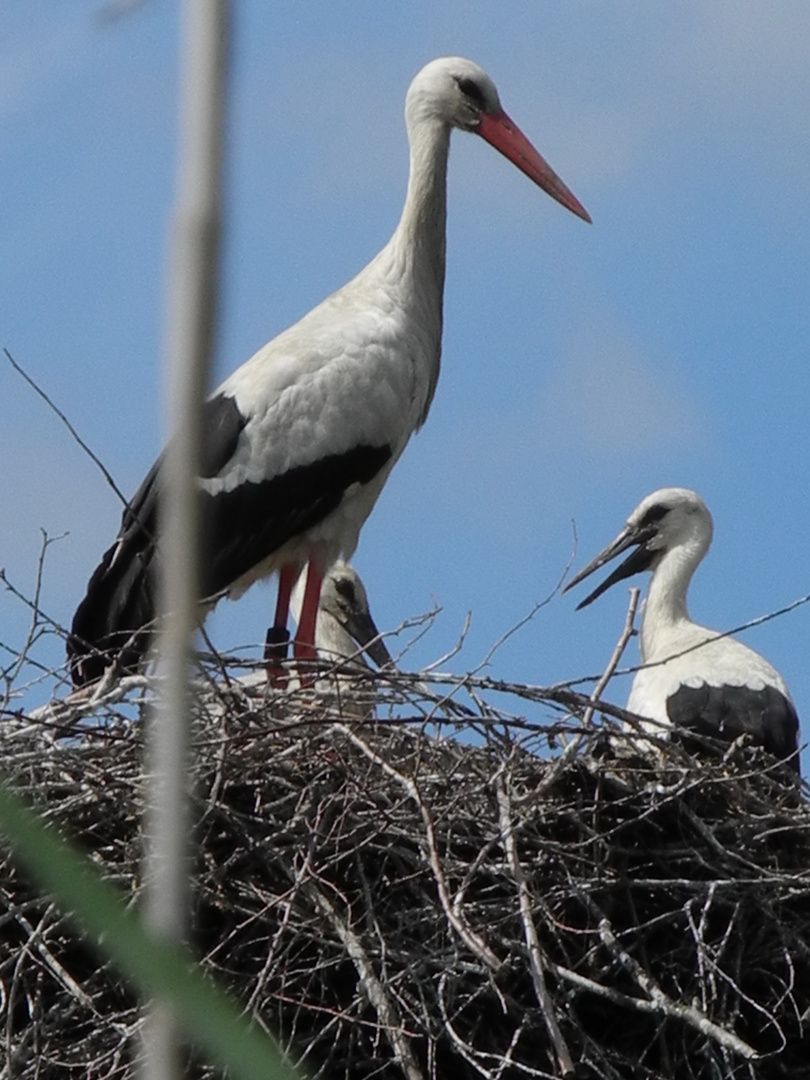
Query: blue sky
x=583, y=367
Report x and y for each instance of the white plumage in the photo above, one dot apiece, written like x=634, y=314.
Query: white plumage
x=693, y=679
x=301, y=438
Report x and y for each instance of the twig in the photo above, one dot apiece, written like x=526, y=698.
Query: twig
x=36, y=944
x=11, y=674
x=473, y=941
x=536, y=959
x=759, y=620
x=537, y=606
x=475, y=1058
x=608, y=992
x=459, y=645
x=688, y=1013
x=54, y=625
x=386, y=1010
x=93, y=457
x=574, y=746
x=613, y=663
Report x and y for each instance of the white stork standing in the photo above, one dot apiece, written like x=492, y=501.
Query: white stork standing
x=695, y=679
x=300, y=439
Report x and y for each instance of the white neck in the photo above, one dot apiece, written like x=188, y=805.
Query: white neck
x=420, y=234
x=665, y=605
x=412, y=264
x=334, y=642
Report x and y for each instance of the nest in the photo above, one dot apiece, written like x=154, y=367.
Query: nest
x=394, y=897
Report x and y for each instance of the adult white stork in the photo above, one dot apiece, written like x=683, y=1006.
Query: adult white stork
x=694, y=679
x=301, y=438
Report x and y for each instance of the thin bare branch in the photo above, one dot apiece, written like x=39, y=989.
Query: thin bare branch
x=688, y=1013
x=93, y=457
x=377, y=994
x=537, y=961
x=459, y=924
x=613, y=663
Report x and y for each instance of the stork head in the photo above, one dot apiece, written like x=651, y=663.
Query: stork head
x=344, y=601
x=671, y=519
x=344, y=597
x=458, y=93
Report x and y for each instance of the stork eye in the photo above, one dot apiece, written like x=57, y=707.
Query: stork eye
x=653, y=515
x=471, y=90
x=346, y=589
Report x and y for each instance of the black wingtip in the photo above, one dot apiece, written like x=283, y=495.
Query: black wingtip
x=113, y=623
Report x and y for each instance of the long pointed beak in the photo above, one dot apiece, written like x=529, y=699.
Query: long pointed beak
x=504, y=134
x=362, y=628
x=637, y=562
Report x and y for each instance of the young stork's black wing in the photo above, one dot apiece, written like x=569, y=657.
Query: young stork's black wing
x=765, y=714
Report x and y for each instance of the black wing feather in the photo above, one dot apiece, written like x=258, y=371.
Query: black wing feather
x=726, y=712
x=114, y=617
x=241, y=528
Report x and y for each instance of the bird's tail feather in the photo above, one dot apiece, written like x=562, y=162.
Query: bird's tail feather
x=113, y=623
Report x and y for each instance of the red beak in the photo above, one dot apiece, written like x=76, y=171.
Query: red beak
x=502, y=133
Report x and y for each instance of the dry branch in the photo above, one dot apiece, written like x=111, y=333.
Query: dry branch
x=537, y=962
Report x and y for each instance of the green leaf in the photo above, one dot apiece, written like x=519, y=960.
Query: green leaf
x=211, y=1019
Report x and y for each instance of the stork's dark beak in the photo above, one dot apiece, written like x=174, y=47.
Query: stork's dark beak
x=639, y=560
x=362, y=628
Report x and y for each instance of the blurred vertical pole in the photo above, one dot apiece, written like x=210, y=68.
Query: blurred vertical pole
x=190, y=334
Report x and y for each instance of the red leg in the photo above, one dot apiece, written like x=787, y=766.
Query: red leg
x=304, y=644
x=286, y=580
x=275, y=646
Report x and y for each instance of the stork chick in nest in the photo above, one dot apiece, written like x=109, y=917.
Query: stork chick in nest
x=694, y=679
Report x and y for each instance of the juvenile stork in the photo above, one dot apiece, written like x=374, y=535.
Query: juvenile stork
x=345, y=634
x=694, y=679
x=301, y=438
x=344, y=628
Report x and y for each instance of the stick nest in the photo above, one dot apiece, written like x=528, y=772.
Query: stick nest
x=394, y=898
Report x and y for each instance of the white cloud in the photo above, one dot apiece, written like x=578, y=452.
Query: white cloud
x=610, y=396
x=751, y=47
